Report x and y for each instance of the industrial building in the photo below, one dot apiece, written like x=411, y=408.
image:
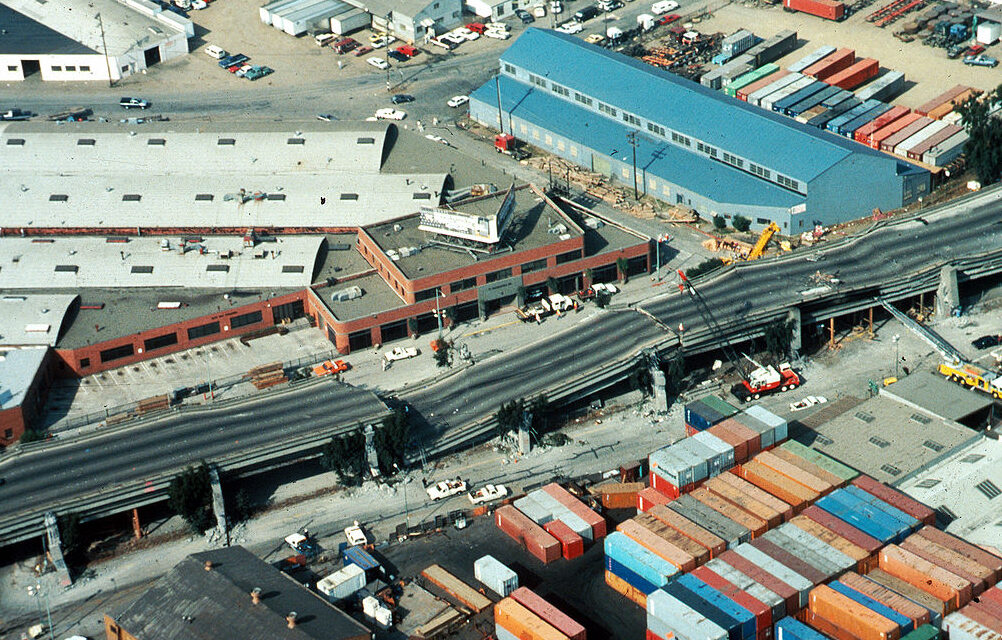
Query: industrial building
x=230, y=593
x=410, y=20
x=75, y=40
x=683, y=143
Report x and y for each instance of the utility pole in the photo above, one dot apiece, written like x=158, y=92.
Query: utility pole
x=438, y=313
x=497, y=86
x=386, y=53
x=104, y=45
x=631, y=139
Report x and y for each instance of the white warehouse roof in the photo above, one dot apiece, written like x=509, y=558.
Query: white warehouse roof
x=32, y=319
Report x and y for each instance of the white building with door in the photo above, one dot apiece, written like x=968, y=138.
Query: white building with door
x=73, y=40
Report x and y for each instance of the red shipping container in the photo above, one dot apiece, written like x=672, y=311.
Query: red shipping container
x=571, y=544
x=857, y=619
x=941, y=99
x=994, y=594
x=553, y=616
x=739, y=444
x=893, y=497
x=527, y=533
x=763, y=496
x=863, y=134
x=828, y=9
x=918, y=614
x=653, y=636
x=880, y=135
x=747, y=90
x=855, y=75
x=649, y=498
x=756, y=526
x=597, y=522
x=981, y=616
x=954, y=591
x=989, y=606
x=742, y=500
x=709, y=541
x=974, y=552
x=831, y=64
x=752, y=437
x=522, y=623
x=761, y=611
x=618, y=495
x=627, y=590
x=825, y=626
x=928, y=550
x=662, y=486
x=843, y=528
x=789, y=560
x=764, y=578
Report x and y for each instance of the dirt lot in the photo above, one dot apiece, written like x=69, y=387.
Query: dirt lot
x=927, y=70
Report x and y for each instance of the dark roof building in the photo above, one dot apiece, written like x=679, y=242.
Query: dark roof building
x=694, y=146
x=231, y=593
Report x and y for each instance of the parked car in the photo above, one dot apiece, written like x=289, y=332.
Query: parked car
x=324, y=39
x=454, y=38
x=524, y=16
x=446, y=488
x=216, y=52
x=399, y=353
x=326, y=117
x=476, y=27
x=610, y=5
x=379, y=63
x=408, y=50
x=401, y=98
x=439, y=42
x=986, y=341
x=199, y=4
x=435, y=138
x=133, y=103
x=670, y=18
x=497, y=34
x=361, y=51
x=396, y=55
x=229, y=61
x=595, y=38
x=571, y=27
x=355, y=535
x=556, y=7
x=808, y=402
x=980, y=61
x=257, y=72
x=16, y=114
x=466, y=34
x=664, y=6
x=380, y=41
x=458, y=101
x=242, y=71
x=488, y=492
x=330, y=367
x=345, y=45
x=587, y=13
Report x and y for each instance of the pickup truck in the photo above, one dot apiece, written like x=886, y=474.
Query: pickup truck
x=16, y=114
x=302, y=544
x=400, y=353
x=446, y=488
x=487, y=493
x=329, y=367
x=355, y=535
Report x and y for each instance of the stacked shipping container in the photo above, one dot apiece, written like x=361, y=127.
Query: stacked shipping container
x=524, y=615
x=550, y=522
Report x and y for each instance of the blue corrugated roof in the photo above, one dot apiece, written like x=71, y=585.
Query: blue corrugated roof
x=691, y=171
x=775, y=141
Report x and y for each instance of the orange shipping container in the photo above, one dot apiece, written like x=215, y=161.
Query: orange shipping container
x=713, y=543
x=738, y=443
x=740, y=499
x=757, y=526
x=622, y=587
x=774, y=462
x=522, y=623
x=827, y=627
x=860, y=621
x=954, y=591
x=974, y=573
x=864, y=561
x=553, y=616
x=620, y=495
x=918, y=614
x=752, y=437
x=809, y=467
x=797, y=495
x=979, y=555
x=942, y=110
x=658, y=545
x=766, y=498
x=698, y=552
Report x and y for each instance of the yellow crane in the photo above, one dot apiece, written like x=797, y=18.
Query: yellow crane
x=763, y=241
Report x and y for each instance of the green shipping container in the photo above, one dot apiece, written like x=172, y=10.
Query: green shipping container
x=724, y=408
x=828, y=464
x=925, y=632
x=750, y=77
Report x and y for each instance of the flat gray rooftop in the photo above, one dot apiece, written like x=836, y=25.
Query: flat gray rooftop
x=886, y=439
x=339, y=258
x=534, y=223
x=377, y=297
x=17, y=369
x=24, y=35
x=937, y=395
x=35, y=319
x=204, y=262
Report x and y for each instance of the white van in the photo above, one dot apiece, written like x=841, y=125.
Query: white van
x=323, y=39
x=216, y=52
x=664, y=6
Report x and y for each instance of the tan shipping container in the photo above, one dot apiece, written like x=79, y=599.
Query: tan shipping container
x=757, y=526
x=698, y=552
x=709, y=541
x=761, y=495
x=864, y=561
x=908, y=590
x=741, y=499
x=809, y=467
x=774, y=462
x=522, y=623
x=787, y=490
x=860, y=621
x=953, y=590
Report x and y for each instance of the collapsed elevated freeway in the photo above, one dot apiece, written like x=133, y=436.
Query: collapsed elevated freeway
x=892, y=260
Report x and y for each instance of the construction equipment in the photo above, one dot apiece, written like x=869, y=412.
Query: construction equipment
x=973, y=377
x=510, y=146
x=763, y=241
x=755, y=383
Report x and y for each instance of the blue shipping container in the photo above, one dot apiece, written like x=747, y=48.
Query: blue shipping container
x=866, y=518
x=722, y=619
x=640, y=560
x=722, y=602
x=629, y=576
x=793, y=629
x=783, y=106
x=361, y=557
x=668, y=617
x=891, y=517
x=909, y=521
x=904, y=624
x=812, y=101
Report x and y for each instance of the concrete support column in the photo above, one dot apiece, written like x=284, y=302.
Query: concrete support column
x=371, y=458
x=948, y=293
x=137, y=528
x=218, y=504
x=524, y=435
x=797, y=338
x=55, y=548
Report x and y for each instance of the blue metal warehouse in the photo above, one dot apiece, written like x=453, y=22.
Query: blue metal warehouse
x=695, y=147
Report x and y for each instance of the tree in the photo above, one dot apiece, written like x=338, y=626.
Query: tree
x=390, y=440
x=442, y=349
x=345, y=456
x=602, y=299
x=719, y=223
x=741, y=223
x=31, y=436
x=984, y=147
x=190, y=496
x=238, y=506
x=509, y=417
x=589, y=275
x=623, y=265
x=705, y=266
x=778, y=337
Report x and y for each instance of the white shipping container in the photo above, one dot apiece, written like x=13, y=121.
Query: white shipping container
x=384, y=617
x=960, y=627
x=499, y=578
x=989, y=32
x=343, y=583
x=779, y=426
x=369, y=606
x=830, y=553
x=533, y=510
x=724, y=451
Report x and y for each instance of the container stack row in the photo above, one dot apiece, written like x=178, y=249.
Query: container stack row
x=524, y=615
x=550, y=523
x=981, y=620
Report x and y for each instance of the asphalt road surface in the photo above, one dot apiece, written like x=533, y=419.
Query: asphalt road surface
x=49, y=476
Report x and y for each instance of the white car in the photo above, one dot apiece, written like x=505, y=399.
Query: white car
x=808, y=402
x=216, y=52
x=453, y=37
x=355, y=535
x=379, y=63
x=446, y=488
x=487, y=493
x=466, y=34
x=435, y=138
x=399, y=353
x=383, y=41
x=497, y=34
x=571, y=27
x=458, y=101
x=199, y=4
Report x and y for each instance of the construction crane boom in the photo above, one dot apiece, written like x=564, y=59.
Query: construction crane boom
x=704, y=310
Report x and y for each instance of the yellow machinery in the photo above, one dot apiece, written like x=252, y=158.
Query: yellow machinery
x=763, y=241
x=973, y=376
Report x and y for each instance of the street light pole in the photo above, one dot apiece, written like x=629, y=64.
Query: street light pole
x=896, y=338
x=631, y=138
x=438, y=313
